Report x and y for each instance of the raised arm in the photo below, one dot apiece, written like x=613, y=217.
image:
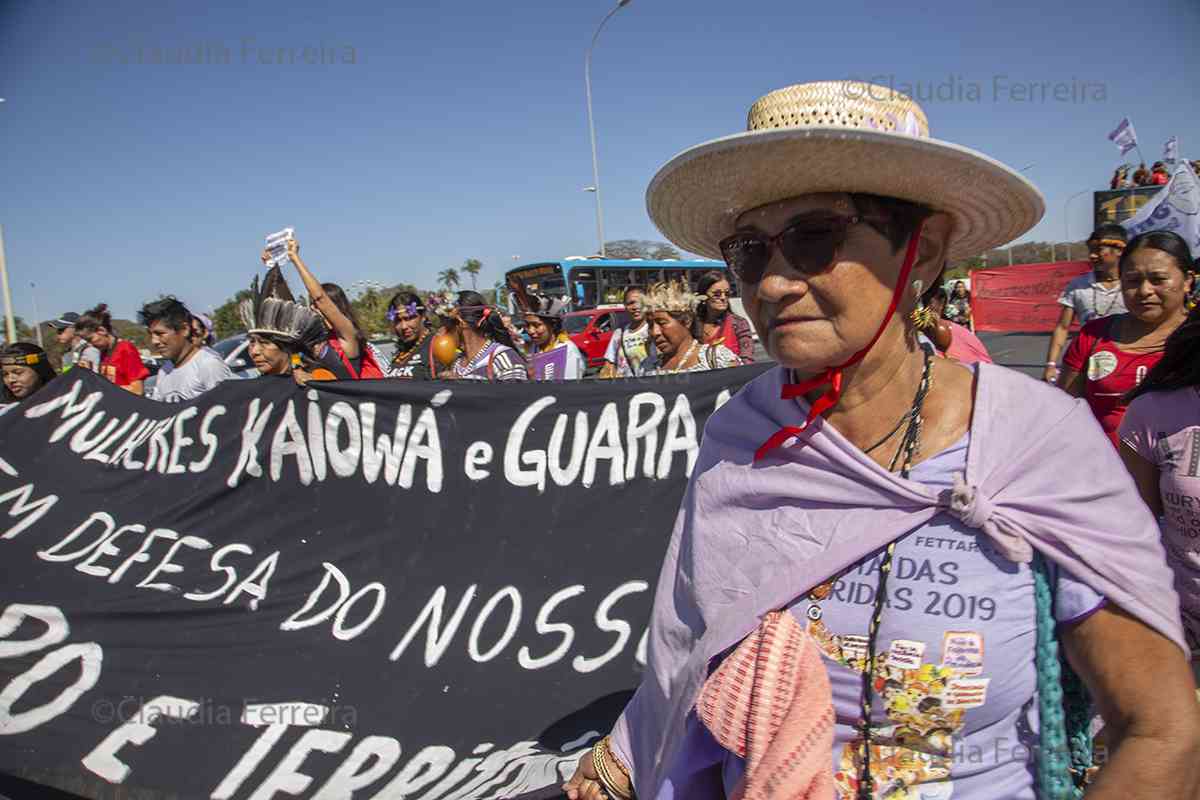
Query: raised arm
x=343, y=328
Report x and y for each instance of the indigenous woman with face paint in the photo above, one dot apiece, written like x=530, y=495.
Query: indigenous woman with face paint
x=1111, y=356
x=414, y=356
x=554, y=356
x=881, y=555
x=25, y=371
x=716, y=323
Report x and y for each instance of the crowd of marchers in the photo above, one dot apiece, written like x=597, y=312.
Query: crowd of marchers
x=674, y=327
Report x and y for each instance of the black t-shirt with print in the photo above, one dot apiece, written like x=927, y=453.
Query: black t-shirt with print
x=417, y=366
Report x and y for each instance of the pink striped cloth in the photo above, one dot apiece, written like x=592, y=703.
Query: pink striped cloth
x=769, y=703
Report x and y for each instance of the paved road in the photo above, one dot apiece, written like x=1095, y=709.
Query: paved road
x=1023, y=351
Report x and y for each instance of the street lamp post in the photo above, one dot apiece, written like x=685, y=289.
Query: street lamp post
x=1067, y=220
x=10, y=322
x=587, y=80
x=37, y=318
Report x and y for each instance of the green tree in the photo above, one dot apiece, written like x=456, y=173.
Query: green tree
x=449, y=278
x=24, y=332
x=500, y=294
x=639, y=248
x=226, y=319
x=472, y=267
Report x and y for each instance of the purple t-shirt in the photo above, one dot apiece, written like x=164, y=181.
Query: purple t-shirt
x=1164, y=429
x=954, y=710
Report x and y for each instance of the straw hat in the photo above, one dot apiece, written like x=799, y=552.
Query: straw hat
x=838, y=136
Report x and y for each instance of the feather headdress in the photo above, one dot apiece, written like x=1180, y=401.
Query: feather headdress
x=273, y=310
x=674, y=296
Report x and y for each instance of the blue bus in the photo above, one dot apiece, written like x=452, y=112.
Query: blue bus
x=594, y=282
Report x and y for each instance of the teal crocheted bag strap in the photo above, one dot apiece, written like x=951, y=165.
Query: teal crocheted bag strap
x=1065, y=752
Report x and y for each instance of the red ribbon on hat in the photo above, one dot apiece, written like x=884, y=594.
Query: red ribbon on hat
x=833, y=375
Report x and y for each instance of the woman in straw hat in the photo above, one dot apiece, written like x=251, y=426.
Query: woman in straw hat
x=879, y=552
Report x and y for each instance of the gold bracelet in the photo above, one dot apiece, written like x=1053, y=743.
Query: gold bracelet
x=600, y=757
x=607, y=744
x=601, y=771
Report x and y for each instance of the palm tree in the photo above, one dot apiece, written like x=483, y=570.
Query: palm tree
x=472, y=266
x=449, y=277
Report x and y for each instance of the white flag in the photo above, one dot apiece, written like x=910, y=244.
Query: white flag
x=1176, y=207
x=1124, y=136
x=1171, y=149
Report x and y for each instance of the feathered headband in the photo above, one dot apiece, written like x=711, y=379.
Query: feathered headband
x=272, y=310
x=674, y=297
x=410, y=310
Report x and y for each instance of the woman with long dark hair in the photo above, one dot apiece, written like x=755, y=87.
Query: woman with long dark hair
x=1111, y=356
x=716, y=323
x=346, y=349
x=26, y=370
x=488, y=352
x=1160, y=444
x=120, y=361
x=414, y=339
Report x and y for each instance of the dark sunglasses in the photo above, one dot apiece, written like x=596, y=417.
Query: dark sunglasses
x=808, y=245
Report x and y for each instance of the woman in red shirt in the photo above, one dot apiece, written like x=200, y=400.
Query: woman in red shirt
x=1111, y=356
x=119, y=359
x=716, y=323
x=346, y=352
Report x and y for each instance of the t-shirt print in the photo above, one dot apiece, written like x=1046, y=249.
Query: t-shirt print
x=1164, y=429
x=954, y=712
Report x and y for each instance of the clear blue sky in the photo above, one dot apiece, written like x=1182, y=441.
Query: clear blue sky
x=460, y=129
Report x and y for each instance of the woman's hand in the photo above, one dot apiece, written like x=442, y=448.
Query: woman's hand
x=585, y=783
x=293, y=248
x=265, y=256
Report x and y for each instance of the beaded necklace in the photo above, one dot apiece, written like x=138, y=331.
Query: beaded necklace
x=1064, y=705
x=401, y=358
x=910, y=445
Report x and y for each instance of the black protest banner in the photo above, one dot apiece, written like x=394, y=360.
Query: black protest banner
x=367, y=590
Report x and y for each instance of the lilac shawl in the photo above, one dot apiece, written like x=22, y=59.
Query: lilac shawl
x=751, y=537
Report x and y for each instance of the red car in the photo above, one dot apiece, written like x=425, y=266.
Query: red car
x=590, y=331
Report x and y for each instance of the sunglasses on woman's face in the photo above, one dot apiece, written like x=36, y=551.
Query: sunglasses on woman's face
x=808, y=245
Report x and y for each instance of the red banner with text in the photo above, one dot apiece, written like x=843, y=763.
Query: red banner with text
x=1021, y=298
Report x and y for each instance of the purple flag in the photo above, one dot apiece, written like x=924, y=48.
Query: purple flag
x=1124, y=136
